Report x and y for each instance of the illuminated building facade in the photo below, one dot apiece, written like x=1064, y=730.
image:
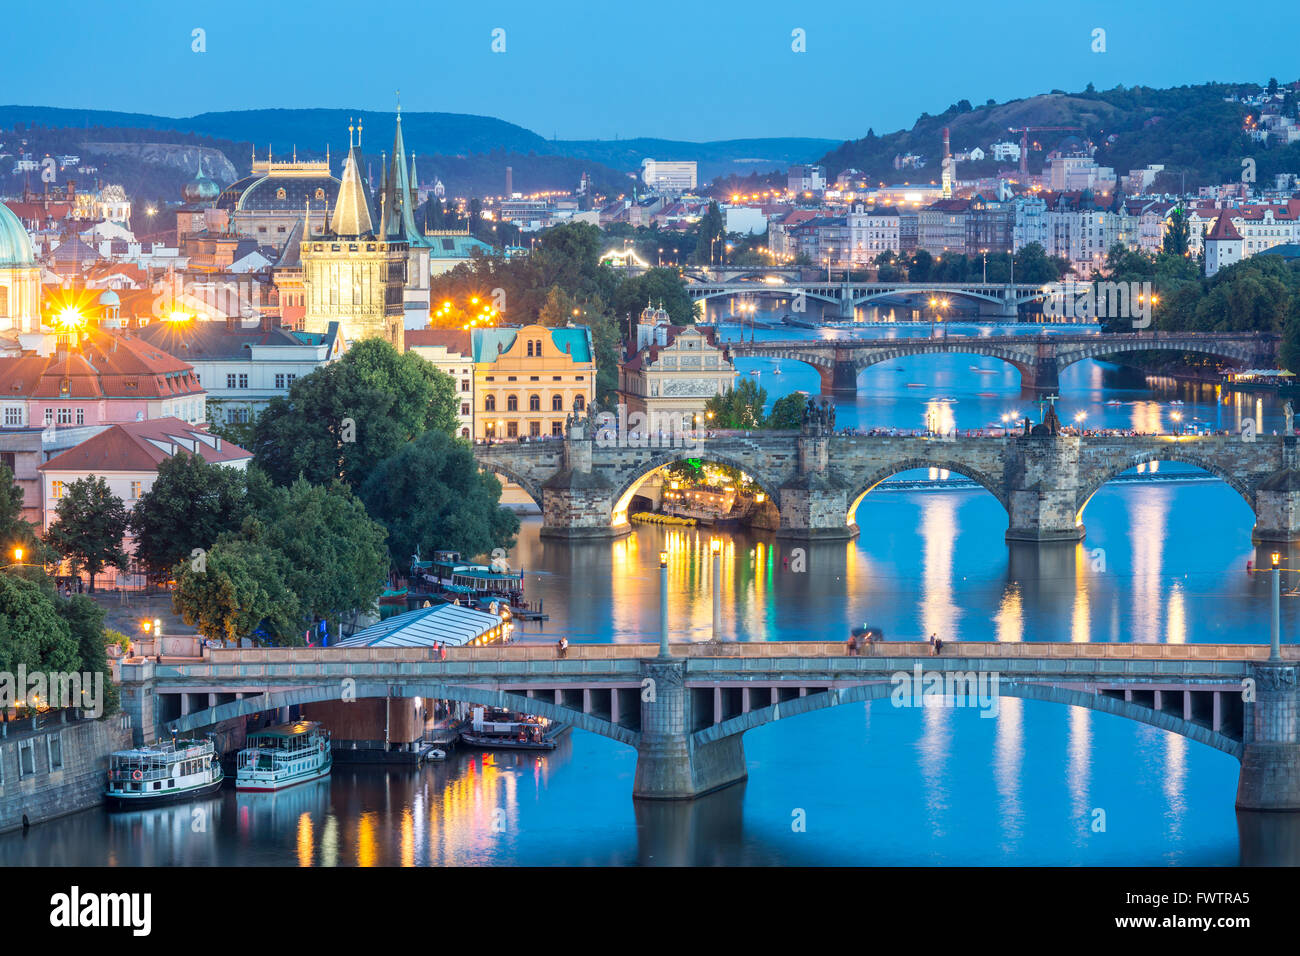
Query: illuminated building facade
x=20, y=278
x=672, y=370
x=527, y=381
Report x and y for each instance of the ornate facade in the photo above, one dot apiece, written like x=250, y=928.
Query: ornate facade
x=672, y=369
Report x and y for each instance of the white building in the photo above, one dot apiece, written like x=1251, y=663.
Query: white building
x=1006, y=152
x=802, y=179
x=871, y=232
x=746, y=219
x=451, y=352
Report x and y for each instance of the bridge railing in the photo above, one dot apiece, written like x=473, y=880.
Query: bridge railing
x=774, y=649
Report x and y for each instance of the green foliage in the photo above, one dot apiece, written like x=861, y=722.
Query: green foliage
x=241, y=592
x=343, y=418
x=1177, y=233
x=32, y=633
x=237, y=433
x=738, y=407
x=655, y=287
x=709, y=234
x=431, y=494
x=89, y=527
x=336, y=558
x=787, y=412
x=85, y=620
x=190, y=504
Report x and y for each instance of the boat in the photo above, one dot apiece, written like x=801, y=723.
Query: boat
x=777, y=370
x=504, y=730
x=168, y=772
x=1114, y=402
x=282, y=756
x=754, y=372
x=1176, y=402
x=915, y=385
x=474, y=584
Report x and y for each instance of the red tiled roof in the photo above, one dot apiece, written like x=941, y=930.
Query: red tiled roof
x=453, y=340
x=142, y=446
x=1223, y=228
x=102, y=365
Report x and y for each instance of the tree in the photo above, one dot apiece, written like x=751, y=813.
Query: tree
x=431, y=494
x=32, y=634
x=655, y=287
x=190, y=504
x=711, y=230
x=336, y=558
x=1176, y=234
x=89, y=525
x=787, y=412
x=739, y=407
x=240, y=592
x=85, y=620
x=344, y=418
x=15, y=530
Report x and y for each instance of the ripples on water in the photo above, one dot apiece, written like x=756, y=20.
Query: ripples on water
x=874, y=784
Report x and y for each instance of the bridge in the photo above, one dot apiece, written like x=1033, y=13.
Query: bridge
x=814, y=481
x=685, y=713
x=997, y=299
x=1039, y=358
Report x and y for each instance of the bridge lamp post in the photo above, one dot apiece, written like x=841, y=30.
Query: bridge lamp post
x=715, y=546
x=663, y=604
x=1275, y=633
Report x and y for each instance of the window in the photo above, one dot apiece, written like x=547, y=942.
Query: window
x=490, y=403
x=557, y=403
x=135, y=490
x=230, y=381
x=49, y=416
x=26, y=759
x=512, y=403
x=64, y=416
x=512, y=429
x=557, y=429
x=54, y=750
x=279, y=380
x=535, y=429
x=579, y=403
x=464, y=408
x=13, y=416
x=290, y=378
x=243, y=381
x=464, y=433
x=530, y=348
x=464, y=385
x=81, y=416
x=7, y=459
x=534, y=403
x=56, y=489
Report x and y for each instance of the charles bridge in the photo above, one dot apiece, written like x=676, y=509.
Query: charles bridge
x=685, y=710
x=814, y=479
x=1039, y=358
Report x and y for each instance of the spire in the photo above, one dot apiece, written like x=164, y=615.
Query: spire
x=398, y=220
x=351, y=209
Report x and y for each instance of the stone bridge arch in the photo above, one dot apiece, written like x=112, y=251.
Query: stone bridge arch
x=530, y=487
x=839, y=696
x=435, y=690
x=1092, y=480
x=1242, y=352
x=1021, y=362
x=864, y=485
x=633, y=476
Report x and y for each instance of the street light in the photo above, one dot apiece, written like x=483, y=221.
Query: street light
x=1275, y=636
x=715, y=545
x=663, y=604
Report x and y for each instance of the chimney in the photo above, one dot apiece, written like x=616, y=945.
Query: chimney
x=218, y=445
x=510, y=181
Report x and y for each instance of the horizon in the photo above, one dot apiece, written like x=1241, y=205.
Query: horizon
x=611, y=95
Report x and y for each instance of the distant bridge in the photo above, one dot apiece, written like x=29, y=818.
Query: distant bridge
x=999, y=299
x=1039, y=358
x=685, y=714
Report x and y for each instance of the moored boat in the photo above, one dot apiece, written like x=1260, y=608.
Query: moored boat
x=282, y=756
x=168, y=772
x=503, y=730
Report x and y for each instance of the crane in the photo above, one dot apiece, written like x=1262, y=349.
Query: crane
x=1024, y=132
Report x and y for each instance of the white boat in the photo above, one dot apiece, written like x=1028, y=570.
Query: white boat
x=777, y=370
x=165, y=773
x=754, y=372
x=282, y=756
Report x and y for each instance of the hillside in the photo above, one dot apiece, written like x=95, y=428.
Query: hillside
x=1189, y=129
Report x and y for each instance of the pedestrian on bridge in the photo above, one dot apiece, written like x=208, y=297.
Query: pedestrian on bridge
x=562, y=648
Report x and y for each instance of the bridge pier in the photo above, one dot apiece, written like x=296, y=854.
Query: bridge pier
x=1043, y=378
x=840, y=379
x=138, y=697
x=1270, y=760
x=1277, y=507
x=578, y=503
x=815, y=503
x=669, y=764
x=1042, y=475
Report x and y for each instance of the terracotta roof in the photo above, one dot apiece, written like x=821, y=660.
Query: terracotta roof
x=453, y=340
x=1223, y=228
x=142, y=446
x=102, y=365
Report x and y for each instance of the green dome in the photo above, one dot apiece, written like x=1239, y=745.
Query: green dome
x=15, y=245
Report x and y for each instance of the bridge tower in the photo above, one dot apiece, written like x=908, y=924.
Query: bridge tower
x=576, y=501
x=670, y=765
x=1042, y=481
x=815, y=502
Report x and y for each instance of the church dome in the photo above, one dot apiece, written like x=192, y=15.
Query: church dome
x=15, y=244
x=201, y=189
x=109, y=297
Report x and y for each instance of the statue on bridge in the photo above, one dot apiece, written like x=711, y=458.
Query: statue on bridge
x=818, y=418
x=1289, y=411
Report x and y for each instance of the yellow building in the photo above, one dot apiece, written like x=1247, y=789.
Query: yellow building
x=352, y=275
x=527, y=381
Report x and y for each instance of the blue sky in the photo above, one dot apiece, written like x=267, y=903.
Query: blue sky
x=717, y=69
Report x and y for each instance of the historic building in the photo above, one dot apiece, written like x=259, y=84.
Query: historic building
x=451, y=352
x=528, y=380
x=266, y=205
x=398, y=201
x=20, y=278
x=672, y=370
x=353, y=274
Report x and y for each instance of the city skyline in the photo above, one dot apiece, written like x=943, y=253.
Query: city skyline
x=706, y=63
